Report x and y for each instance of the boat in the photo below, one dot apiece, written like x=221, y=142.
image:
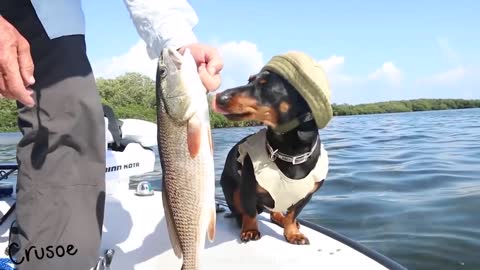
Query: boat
x=135, y=233
x=129, y=149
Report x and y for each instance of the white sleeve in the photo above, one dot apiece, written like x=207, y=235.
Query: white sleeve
x=163, y=23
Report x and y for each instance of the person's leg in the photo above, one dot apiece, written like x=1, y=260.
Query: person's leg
x=61, y=157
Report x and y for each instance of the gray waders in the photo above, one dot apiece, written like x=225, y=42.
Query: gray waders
x=61, y=157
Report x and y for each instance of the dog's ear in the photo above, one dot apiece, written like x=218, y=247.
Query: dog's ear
x=257, y=75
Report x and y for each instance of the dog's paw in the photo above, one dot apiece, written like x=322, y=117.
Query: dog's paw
x=297, y=238
x=279, y=219
x=249, y=235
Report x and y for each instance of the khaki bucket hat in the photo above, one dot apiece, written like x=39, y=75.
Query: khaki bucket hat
x=310, y=80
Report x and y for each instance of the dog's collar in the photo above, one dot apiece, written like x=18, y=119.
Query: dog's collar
x=274, y=154
x=293, y=123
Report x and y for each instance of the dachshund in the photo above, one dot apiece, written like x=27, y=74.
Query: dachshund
x=291, y=141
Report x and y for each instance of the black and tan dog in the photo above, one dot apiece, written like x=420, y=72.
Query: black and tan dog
x=280, y=167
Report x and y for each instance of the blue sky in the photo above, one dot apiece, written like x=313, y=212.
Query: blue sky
x=371, y=50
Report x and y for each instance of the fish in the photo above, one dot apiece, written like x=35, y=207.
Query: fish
x=186, y=156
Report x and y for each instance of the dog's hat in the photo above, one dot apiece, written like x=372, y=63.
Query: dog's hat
x=310, y=80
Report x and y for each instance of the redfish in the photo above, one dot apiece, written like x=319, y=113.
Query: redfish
x=186, y=156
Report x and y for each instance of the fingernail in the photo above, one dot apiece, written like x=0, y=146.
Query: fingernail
x=31, y=80
x=29, y=104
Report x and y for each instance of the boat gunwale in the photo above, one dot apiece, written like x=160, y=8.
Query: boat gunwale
x=372, y=254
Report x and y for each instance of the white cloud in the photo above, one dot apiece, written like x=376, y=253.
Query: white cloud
x=453, y=75
x=450, y=53
x=241, y=59
x=333, y=67
x=387, y=71
x=449, y=76
x=333, y=63
x=134, y=60
x=364, y=87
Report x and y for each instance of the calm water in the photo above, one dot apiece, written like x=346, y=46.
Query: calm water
x=406, y=185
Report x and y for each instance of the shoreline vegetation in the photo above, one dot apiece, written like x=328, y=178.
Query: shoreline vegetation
x=132, y=95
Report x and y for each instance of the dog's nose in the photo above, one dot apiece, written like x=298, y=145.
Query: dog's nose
x=222, y=99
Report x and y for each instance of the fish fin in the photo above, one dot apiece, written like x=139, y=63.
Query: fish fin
x=210, y=140
x=172, y=233
x=194, y=136
x=212, y=224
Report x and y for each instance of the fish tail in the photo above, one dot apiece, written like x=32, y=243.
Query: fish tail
x=212, y=223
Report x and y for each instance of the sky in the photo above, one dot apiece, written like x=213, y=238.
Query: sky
x=371, y=50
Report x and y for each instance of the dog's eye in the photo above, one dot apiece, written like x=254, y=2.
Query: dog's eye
x=263, y=81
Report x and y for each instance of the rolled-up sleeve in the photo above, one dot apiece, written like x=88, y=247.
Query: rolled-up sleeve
x=163, y=23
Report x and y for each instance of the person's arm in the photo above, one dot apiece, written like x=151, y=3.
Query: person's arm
x=163, y=23
x=170, y=23
x=16, y=65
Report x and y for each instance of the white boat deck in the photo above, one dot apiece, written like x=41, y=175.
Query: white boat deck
x=135, y=228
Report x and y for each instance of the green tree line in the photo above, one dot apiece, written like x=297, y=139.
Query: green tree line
x=132, y=95
x=413, y=105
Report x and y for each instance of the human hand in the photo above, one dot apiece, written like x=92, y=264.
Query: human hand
x=209, y=63
x=16, y=65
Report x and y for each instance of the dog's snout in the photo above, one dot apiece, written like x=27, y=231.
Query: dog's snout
x=222, y=99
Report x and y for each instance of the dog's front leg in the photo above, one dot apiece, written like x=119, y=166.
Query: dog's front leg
x=291, y=227
x=246, y=199
x=289, y=223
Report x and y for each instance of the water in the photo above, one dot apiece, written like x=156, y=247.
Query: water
x=406, y=184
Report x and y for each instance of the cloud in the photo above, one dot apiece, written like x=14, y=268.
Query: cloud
x=456, y=74
x=460, y=80
x=333, y=67
x=367, y=86
x=387, y=71
x=449, y=52
x=333, y=63
x=134, y=60
x=241, y=59
x=361, y=88
x=449, y=76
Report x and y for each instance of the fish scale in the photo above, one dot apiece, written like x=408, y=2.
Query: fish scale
x=179, y=185
x=188, y=183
